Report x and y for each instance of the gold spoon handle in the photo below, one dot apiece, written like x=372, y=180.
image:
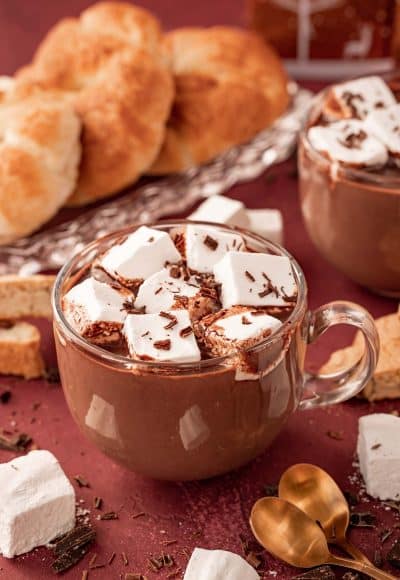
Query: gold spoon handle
x=368, y=569
x=353, y=551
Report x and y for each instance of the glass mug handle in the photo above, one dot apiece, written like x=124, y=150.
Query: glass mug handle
x=351, y=380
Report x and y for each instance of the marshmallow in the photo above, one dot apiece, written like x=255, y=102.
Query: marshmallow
x=167, y=336
x=142, y=254
x=37, y=503
x=251, y=279
x=267, y=223
x=218, y=565
x=384, y=124
x=160, y=290
x=96, y=310
x=239, y=328
x=379, y=454
x=223, y=210
x=359, y=97
x=350, y=143
x=206, y=246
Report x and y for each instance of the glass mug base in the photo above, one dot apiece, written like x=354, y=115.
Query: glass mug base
x=195, y=421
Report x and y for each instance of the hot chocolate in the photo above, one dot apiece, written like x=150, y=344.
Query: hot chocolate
x=189, y=364
x=350, y=180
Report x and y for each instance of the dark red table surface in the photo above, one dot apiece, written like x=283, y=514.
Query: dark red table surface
x=214, y=513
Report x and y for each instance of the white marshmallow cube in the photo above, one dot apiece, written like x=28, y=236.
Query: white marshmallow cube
x=349, y=142
x=94, y=303
x=267, y=223
x=139, y=256
x=160, y=290
x=37, y=503
x=223, y=210
x=379, y=454
x=384, y=124
x=359, y=97
x=234, y=328
x=206, y=246
x=255, y=279
x=149, y=339
x=218, y=565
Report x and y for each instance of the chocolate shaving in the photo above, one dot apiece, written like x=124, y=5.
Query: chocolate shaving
x=353, y=140
x=245, y=320
x=349, y=98
x=337, y=435
x=376, y=446
x=321, y=573
x=109, y=516
x=81, y=481
x=17, y=443
x=111, y=558
x=97, y=503
x=129, y=307
x=124, y=559
x=175, y=272
x=159, y=562
x=210, y=243
x=385, y=535
x=5, y=396
x=173, y=321
x=158, y=291
x=249, y=276
x=394, y=505
x=162, y=344
x=187, y=331
x=72, y=547
x=264, y=293
x=362, y=520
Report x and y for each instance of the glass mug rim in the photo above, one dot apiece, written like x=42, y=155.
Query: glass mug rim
x=361, y=177
x=126, y=363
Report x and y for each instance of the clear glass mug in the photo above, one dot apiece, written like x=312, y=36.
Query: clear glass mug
x=193, y=421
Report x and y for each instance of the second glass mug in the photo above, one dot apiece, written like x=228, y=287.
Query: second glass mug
x=193, y=421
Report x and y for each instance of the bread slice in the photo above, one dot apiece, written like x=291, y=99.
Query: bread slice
x=385, y=383
x=20, y=351
x=25, y=296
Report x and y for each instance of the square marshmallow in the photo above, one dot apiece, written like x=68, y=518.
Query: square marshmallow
x=379, y=454
x=95, y=309
x=359, y=97
x=206, y=246
x=384, y=124
x=37, y=503
x=223, y=210
x=139, y=256
x=160, y=290
x=249, y=279
x=267, y=223
x=218, y=565
x=167, y=336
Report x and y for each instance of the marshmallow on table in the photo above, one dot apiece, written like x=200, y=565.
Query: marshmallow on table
x=239, y=328
x=218, y=565
x=255, y=279
x=37, y=503
x=167, y=336
x=379, y=454
x=267, y=223
x=140, y=255
x=359, y=97
x=349, y=142
x=160, y=290
x=206, y=246
x=223, y=210
x=384, y=124
x=96, y=310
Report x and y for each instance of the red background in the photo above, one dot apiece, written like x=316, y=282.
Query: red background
x=213, y=513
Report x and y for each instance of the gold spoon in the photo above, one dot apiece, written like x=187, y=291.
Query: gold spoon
x=291, y=535
x=313, y=491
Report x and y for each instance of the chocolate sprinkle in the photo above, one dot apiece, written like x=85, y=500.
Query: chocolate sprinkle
x=210, y=243
x=163, y=344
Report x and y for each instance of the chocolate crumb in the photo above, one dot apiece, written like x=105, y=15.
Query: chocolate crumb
x=163, y=344
x=81, y=481
x=337, y=435
x=210, y=243
x=151, y=239
x=129, y=307
x=109, y=516
x=5, y=396
x=187, y=331
x=250, y=276
x=245, y=320
x=175, y=272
